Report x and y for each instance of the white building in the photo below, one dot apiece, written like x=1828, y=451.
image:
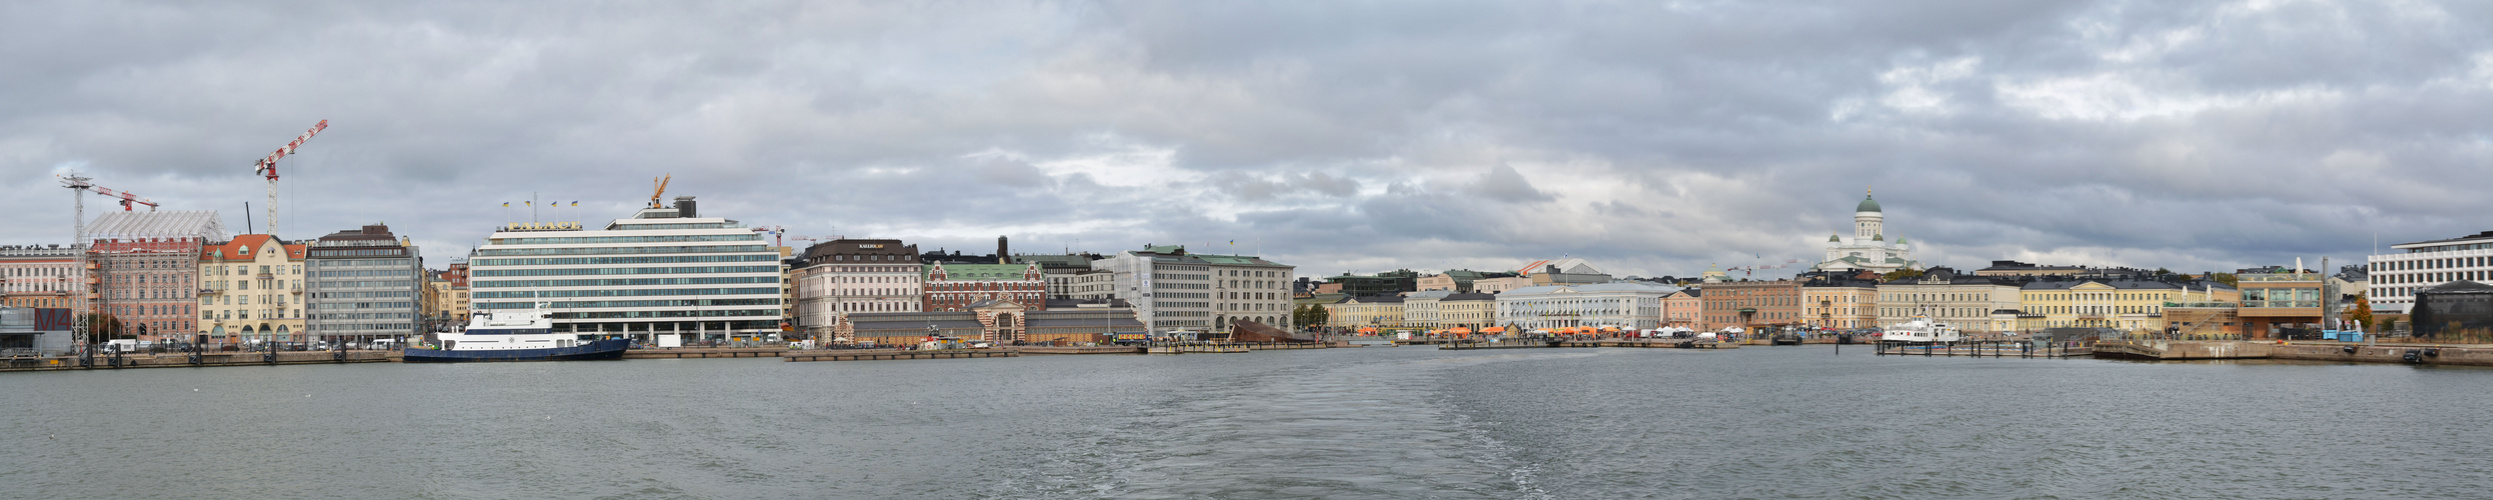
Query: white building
x=39, y=275
x=850, y=276
x=1629, y=304
x=1868, y=248
x=1420, y=309
x=2396, y=276
x=1174, y=290
x=665, y=270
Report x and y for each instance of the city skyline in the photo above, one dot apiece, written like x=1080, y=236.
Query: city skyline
x=1655, y=139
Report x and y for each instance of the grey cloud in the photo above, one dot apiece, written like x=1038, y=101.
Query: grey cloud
x=1655, y=137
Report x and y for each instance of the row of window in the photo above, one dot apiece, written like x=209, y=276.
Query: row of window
x=389, y=273
x=364, y=305
x=362, y=262
x=507, y=252
x=682, y=238
x=634, y=303
x=623, y=293
x=663, y=259
x=725, y=280
x=495, y=273
x=367, y=284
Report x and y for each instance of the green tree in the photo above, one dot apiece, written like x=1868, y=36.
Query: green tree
x=2163, y=272
x=1318, y=314
x=101, y=326
x=2227, y=278
x=1900, y=274
x=2362, y=313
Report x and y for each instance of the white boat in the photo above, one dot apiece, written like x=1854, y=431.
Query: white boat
x=525, y=335
x=1921, y=330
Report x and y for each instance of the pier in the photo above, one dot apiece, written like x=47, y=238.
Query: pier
x=882, y=355
x=2413, y=354
x=190, y=360
x=706, y=352
x=1985, y=349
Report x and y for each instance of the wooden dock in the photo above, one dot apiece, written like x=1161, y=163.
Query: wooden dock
x=1073, y=350
x=1197, y=349
x=882, y=355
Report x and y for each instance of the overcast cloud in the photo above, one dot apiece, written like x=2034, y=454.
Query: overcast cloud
x=1652, y=137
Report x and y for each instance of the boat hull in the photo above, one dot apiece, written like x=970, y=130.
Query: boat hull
x=592, y=351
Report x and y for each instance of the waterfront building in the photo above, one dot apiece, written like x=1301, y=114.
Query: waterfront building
x=39, y=276
x=1419, y=309
x=662, y=271
x=1456, y=280
x=2458, y=310
x=2015, y=268
x=1081, y=321
x=1389, y=282
x=849, y=276
x=459, y=301
x=145, y=267
x=1500, y=284
x=955, y=287
x=1070, y=276
x=434, y=301
x=32, y=331
x=2411, y=267
x=1172, y=289
x=251, y=289
x=1568, y=271
x=1751, y=304
x=1840, y=303
x=1467, y=310
x=1373, y=311
x=1868, y=248
x=363, y=284
x=2282, y=303
x=1684, y=308
x=2125, y=304
x=1972, y=304
x=1627, y=305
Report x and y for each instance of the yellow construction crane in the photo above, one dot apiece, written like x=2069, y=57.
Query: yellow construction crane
x=662, y=189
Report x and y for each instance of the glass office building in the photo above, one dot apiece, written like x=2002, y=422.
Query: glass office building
x=663, y=271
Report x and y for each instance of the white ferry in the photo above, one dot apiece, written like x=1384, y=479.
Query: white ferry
x=1921, y=330
x=526, y=335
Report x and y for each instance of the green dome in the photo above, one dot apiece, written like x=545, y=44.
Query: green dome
x=1867, y=205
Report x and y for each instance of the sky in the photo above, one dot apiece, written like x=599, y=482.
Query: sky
x=1649, y=137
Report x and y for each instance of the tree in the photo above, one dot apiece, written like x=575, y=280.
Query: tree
x=102, y=326
x=2227, y=278
x=2163, y=272
x=2362, y=313
x=1901, y=274
x=1317, y=314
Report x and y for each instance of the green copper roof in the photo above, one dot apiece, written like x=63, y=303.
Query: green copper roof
x=1868, y=204
x=979, y=272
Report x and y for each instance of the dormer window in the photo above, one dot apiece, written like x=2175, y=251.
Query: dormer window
x=246, y=250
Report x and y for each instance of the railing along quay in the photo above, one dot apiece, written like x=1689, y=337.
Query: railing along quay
x=1987, y=349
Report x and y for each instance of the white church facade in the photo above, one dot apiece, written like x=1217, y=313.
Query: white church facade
x=1868, y=248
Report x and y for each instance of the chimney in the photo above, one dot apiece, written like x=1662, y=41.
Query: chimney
x=1003, y=251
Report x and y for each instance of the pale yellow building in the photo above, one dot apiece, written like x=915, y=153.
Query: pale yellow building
x=1467, y=310
x=2125, y=305
x=1840, y=306
x=1375, y=311
x=251, y=287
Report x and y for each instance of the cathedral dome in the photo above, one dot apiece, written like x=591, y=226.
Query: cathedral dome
x=1868, y=204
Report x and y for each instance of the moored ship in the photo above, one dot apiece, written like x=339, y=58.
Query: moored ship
x=526, y=335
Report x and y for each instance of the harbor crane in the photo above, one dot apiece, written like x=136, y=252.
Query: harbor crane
x=79, y=314
x=662, y=190
x=268, y=167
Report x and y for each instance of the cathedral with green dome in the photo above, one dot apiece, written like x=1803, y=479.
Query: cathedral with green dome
x=1868, y=248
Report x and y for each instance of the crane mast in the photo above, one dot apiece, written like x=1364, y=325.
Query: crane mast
x=268, y=167
x=78, y=185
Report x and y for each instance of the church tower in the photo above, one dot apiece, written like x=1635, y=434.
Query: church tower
x=1867, y=219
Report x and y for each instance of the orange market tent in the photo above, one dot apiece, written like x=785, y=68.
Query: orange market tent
x=1493, y=329
x=1460, y=330
x=1367, y=330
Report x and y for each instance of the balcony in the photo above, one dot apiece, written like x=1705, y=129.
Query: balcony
x=2279, y=277
x=2200, y=305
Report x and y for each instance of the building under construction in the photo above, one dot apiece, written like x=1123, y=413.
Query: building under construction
x=144, y=271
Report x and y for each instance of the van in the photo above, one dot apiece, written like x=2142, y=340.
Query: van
x=121, y=345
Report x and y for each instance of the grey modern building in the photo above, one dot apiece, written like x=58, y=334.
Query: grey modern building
x=1175, y=290
x=362, y=284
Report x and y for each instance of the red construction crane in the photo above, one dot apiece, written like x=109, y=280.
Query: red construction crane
x=268, y=167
